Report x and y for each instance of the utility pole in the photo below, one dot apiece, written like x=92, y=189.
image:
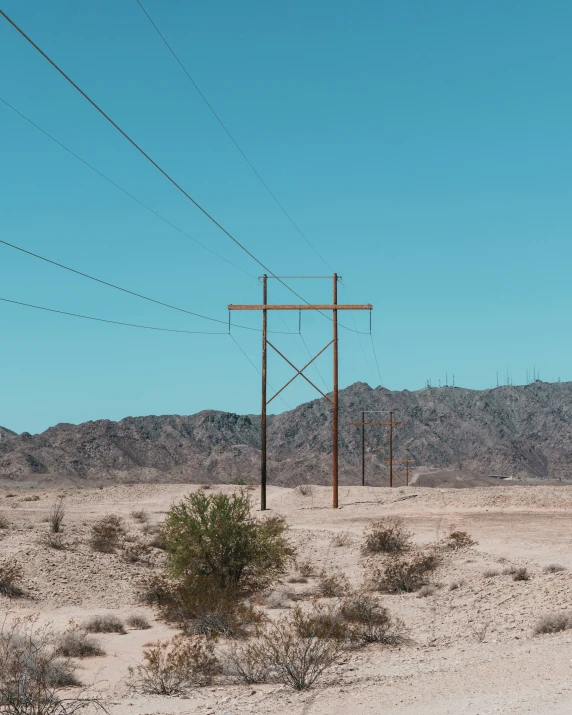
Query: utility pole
x=389, y=424
x=264, y=308
x=405, y=461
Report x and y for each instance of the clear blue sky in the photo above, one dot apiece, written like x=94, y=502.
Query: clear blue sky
x=424, y=148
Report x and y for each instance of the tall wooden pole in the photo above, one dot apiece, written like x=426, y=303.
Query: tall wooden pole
x=263, y=413
x=391, y=449
x=363, y=448
x=335, y=415
x=407, y=471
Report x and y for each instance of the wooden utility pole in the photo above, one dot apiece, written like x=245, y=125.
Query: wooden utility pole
x=334, y=307
x=405, y=461
x=389, y=424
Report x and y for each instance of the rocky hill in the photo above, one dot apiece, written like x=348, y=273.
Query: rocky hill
x=523, y=431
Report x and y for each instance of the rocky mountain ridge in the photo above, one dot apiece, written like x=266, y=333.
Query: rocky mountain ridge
x=522, y=431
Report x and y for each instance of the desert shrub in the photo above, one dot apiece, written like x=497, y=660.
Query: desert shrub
x=490, y=573
x=427, y=590
x=521, y=574
x=306, y=568
x=136, y=552
x=387, y=536
x=553, y=568
x=106, y=534
x=509, y=570
x=332, y=584
x=342, y=538
x=56, y=516
x=35, y=497
x=138, y=622
x=172, y=666
x=553, y=623
x=297, y=579
x=404, y=575
x=107, y=623
x=247, y=662
x=215, y=538
x=370, y=622
x=11, y=574
x=54, y=541
x=479, y=629
x=34, y=678
x=140, y=515
x=459, y=540
x=75, y=644
x=4, y=523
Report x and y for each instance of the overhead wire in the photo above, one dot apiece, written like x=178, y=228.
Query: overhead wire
x=231, y=137
x=156, y=165
x=359, y=333
x=117, y=186
x=113, y=322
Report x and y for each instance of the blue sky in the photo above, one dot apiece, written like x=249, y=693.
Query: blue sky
x=424, y=148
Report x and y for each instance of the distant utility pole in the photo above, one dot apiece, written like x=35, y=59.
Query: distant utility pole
x=264, y=308
x=391, y=424
x=497, y=378
x=453, y=379
x=405, y=461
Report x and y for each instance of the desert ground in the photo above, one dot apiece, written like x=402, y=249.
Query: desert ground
x=470, y=648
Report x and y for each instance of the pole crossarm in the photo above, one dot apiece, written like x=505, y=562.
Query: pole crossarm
x=299, y=372
x=359, y=424
x=305, y=306
x=377, y=449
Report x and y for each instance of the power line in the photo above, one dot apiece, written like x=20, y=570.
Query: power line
x=113, y=322
x=146, y=156
x=233, y=140
x=376, y=362
x=359, y=335
x=117, y=186
x=123, y=290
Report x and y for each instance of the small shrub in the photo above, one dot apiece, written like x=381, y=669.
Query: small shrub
x=387, y=536
x=106, y=534
x=553, y=623
x=459, y=540
x=136, y=552
x=171, y=667
x=248, y=663
x=521, y=574
x=149, y=528
x=480, y=629
x=75, y=644
x=56, y=516
x=54, y=541
x=140, y=515
x=4, y=523
x=427, y=590
x=138, y=622
x=404, y=576
x=32, y=498
x=332, y=584
x=554, y=568
x=509, y=570
x=370, y=622
x=306, y=568
x=11, y=574
x=490, y=573
x=342, y=538
x=107, y=623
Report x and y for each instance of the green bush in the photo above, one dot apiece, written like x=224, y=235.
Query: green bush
x=404, y=575
x=387, y=536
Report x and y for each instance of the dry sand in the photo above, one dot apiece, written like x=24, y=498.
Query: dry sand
x=445, y=670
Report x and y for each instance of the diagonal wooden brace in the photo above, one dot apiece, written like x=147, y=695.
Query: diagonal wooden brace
x=299, y=372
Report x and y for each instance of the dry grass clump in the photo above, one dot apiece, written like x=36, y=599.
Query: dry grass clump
x=138, y=622
x=404, y=575
x=107, y=623
x=297, y=579
x=454, y=585
x=106, y=534
x=332, y=584
x=4, y=523
x=173, y=666
x=459, y=540
x=509, y=570
x=553, y=568
x=342, y=538
x=305, y=490
x=553, y=623
x=35, y=497
x=53, y=541
x=305, y=568
x=140, y=515
x=387, y=536
x=56, y=516
x=369, y=622
x=427, y=590
x=11, y=574
x=521, y=574
x=490, y=573
x=136, y=552
x=75, y=644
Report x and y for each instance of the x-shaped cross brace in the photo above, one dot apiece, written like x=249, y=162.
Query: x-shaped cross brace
x=298, y=372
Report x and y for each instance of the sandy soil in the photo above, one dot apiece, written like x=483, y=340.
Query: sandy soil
x=446, y=669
